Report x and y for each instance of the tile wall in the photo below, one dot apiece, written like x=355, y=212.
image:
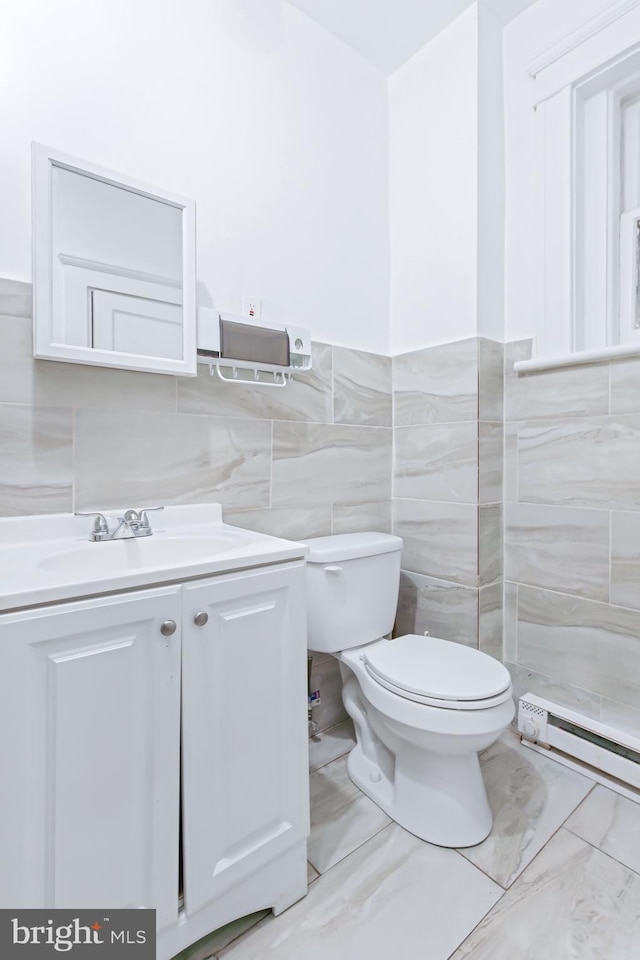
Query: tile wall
x=572, y=535
x=448, y=420
x=304, y=461
x=320, y=457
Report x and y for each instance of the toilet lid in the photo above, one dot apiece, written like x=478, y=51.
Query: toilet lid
x=437, y=669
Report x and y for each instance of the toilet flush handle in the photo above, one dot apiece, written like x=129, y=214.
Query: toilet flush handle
x=331, y=568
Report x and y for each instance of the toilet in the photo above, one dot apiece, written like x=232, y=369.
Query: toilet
x=422, y=707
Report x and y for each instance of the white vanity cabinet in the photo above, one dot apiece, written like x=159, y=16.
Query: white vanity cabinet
x=103, y=704
x=244, y=727
x=90, y=733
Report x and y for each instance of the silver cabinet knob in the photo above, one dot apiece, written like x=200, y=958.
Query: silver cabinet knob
x=168, y=628
x=201, y=618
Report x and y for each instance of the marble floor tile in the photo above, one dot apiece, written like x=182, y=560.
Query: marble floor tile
x=210, y=945
x=395, y=897
x=572, y=903
x=610, y=822
x=331, y=744
x=342, y=818
x=530, y=796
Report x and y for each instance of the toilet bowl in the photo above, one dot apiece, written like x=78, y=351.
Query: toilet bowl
x=422, y=707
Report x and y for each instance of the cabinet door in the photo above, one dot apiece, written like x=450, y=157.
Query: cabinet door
x=245, y=766
x=89, y=728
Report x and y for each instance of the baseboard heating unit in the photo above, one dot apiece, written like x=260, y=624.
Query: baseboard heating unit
x=604, y=753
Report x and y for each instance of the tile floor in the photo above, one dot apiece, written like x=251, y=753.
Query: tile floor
x=558, y=879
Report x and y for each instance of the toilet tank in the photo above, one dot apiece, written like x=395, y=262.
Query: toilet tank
x=352, y=589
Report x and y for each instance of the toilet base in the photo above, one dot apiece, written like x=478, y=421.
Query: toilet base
x=440, y=799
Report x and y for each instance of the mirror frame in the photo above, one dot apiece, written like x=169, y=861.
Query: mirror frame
x=43, y=159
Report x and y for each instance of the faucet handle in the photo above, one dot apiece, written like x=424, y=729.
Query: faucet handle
x=144, y=519
x=100, y=526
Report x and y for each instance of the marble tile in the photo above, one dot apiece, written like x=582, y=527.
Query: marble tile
x=300, y=523
x=312, y=874
x=490, y=620
x=36, y=444
x=625, y=386
x=567, y=391
x=210, y=945
x=592, y=462
x=510, y=620
x=357, y=517
x=621, y=715
x=325, y=463
x=50, y=383
x=437, y=462
x=525, y=680
x=516, y=350
x=490, y=461
x=562, y=548
x=308, y=397
x=594, y=646
x=394, y=897
x=490, y=380
x=445, y=609
x=611, y=823
x=625, y=559
x=148, y=458
x=530, y=796
x=361, y=388
x=325, y=677
x=489, y=543
x=342, y=817
x=440, y=539
x=572, y=902
x=510, y=454
x=437, y=384
x=330, y=744
x=15, y=299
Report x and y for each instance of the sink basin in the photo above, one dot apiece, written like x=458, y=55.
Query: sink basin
x=120, y=556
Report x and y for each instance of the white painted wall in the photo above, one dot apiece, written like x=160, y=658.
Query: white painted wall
x=433, y=112
x=277, y=129
x=538, y=28
x=491, y=193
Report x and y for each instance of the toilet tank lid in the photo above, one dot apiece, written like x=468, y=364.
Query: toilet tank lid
x=351, y=546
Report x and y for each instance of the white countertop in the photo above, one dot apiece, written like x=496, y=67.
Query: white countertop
x=45, y=559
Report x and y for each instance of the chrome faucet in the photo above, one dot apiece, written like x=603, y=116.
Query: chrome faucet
x=134, y=523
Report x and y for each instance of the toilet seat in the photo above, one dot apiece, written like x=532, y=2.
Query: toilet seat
x=438, y=673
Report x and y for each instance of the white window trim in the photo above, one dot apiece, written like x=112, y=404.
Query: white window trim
x=561, y=75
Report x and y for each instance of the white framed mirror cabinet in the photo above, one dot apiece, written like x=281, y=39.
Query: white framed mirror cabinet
x=114, y=268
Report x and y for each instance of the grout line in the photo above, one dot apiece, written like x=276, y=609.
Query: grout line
x=386, y=826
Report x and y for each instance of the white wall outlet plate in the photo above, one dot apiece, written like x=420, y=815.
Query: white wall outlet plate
x=252, y=307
